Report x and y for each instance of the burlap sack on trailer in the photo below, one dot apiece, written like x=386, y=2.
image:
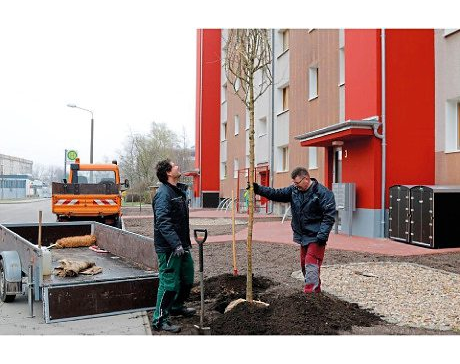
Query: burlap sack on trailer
x=75, y=241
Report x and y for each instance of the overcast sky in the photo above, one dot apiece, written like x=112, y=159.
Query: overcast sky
x=128, y=77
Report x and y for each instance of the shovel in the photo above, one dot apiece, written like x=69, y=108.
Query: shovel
x=200, y=237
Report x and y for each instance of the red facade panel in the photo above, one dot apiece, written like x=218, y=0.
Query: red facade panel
x=208, y=108
x=410, y=106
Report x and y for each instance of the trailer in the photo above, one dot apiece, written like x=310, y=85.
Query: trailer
x=128, y=281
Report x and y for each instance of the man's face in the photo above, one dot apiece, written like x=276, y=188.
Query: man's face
x=301, y=182
x=175, y=171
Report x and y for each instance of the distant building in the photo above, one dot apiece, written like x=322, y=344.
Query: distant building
x=14, y=165
x=15, y=177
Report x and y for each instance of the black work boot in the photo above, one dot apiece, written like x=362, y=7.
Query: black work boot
x=182, y=311
x=167, y=326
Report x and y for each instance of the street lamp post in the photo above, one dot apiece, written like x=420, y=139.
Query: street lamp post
x=92, y=130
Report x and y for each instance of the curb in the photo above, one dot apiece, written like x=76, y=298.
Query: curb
x=145, y=318
x=8, y=202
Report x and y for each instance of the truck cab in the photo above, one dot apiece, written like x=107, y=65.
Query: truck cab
x=93, y=192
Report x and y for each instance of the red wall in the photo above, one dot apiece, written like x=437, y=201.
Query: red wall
x=362, y=100
x=208, y=108
x=410, y=106
x=362, y=73
x=409, y=109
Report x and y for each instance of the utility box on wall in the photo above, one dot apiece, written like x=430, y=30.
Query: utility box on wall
x=345, y=201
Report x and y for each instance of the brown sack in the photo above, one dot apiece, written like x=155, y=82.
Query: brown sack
x=70, y=268
x=75, y=241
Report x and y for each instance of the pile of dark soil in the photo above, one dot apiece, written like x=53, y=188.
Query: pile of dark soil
x=293, y=314
x=296, y=314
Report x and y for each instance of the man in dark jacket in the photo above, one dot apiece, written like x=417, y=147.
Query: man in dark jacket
x=172, y=245
x=313, y=215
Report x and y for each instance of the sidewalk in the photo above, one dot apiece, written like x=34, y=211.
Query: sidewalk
x=27, y=200
x=277, y=232
x=268, y=228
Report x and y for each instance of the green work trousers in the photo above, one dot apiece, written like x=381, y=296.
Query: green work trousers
x=176, y=280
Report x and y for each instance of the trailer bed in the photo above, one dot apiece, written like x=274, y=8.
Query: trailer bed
x=128, y=281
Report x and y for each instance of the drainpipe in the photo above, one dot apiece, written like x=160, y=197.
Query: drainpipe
x=384, y=142
x=272, y=131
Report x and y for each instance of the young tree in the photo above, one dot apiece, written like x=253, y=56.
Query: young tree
x=248, y=52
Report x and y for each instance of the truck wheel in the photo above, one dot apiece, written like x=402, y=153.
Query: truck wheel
x=3, y=296
x=118, y=223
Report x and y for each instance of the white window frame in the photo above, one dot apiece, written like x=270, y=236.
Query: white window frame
x=223, y=131
x=285, y=98
x=283, y=159
x=263, y=127
x=285, y=40
x=452, y=136
x=223, y=170
x=312, y=83
x=236, y=167
x=341, y=66
x=224, y=93
x=312, y=158
x=237, y=124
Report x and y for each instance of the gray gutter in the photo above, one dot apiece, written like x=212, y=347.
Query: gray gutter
x=349, y=124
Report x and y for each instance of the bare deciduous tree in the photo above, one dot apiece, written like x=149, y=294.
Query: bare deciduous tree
x=247, y=52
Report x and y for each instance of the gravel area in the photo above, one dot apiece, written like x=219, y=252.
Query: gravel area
x=405, y=294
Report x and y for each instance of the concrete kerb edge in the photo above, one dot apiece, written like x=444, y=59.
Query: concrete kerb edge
x=145, y=319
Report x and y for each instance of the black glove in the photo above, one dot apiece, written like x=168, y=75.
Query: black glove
x=255, y=187
x=179, y=251
x=321, y=242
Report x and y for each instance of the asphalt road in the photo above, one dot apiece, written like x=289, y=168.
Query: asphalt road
x=26, y=211
x=14, y=316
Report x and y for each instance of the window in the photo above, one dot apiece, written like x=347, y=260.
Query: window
x=452, y=126
x=312, y=158
x=312, y=83
x=262, y=127
x=341, y=66
x=283, y=159
x=237, y=124
x=458, y=125
x=223, y=132
x=237, y=84
x=286, y=98
x=285, y=40
x=246, y=169
x=247, y=120
x=236, y=167
x=224, y=93
x=223, y=170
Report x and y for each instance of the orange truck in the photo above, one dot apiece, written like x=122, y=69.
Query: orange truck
x=92, y=193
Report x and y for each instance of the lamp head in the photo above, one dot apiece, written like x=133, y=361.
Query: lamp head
x=71, y=105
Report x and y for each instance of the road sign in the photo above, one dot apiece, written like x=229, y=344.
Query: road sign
x=72, y=155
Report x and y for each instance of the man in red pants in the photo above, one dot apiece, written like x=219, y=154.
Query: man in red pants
x=313, y=215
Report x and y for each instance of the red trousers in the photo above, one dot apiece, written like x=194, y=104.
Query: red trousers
x=311, y=258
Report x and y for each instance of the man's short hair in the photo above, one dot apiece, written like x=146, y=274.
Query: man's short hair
x=162, y=168
x=299, y=171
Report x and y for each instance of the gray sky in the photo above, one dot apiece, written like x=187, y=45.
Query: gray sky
x=130, y=65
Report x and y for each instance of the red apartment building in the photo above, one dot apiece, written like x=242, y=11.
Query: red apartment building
x=361, y=100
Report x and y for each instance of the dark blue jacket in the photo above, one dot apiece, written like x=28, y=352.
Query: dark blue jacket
x=171, y=218
x=313, y=211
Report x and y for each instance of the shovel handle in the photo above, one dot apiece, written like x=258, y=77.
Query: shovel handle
x=200, y=239
x=200, y=252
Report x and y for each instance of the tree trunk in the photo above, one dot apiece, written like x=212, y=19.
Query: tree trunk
x=249, y=297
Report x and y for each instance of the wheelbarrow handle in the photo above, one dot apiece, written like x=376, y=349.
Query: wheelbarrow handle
x=200, y=240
